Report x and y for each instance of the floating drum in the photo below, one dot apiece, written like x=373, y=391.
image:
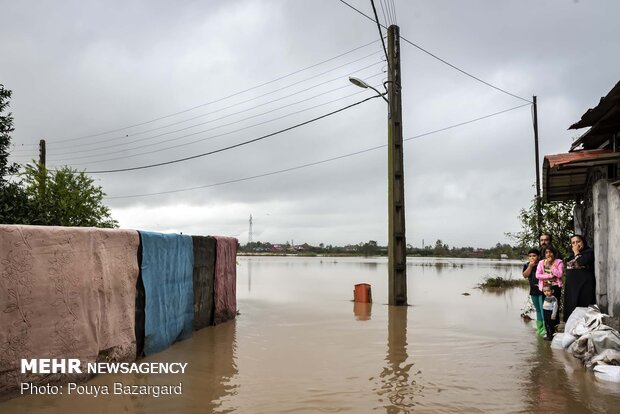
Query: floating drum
x=362, y=293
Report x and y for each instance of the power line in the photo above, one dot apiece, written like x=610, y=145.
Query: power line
x=374, y=9
x=393, y=10
x=214, y=136
x=442, y=60
x=217, y=100
x=383, y=10
x=239, y=103
x=351, y=154
x=389, y=11
x=464, y=72
x=236, y=145
x=204, y=130
x=213, y=120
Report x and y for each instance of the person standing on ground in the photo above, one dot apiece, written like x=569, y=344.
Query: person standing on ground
x=580, y=287
x=529, y=272
x=550, y=270
x=550, y=311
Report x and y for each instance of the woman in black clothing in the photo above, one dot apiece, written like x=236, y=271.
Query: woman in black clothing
x=580, y=286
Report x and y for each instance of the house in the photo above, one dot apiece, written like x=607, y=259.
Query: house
x=589, y=174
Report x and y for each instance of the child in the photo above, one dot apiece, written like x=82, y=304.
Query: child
x=529, y=272
x=550, y=270
x=550, y=311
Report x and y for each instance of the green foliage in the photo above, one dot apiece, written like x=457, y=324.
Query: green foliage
x=14, y=204
x=369, y=248
x=65, y=197
x=13, y=199
x=500, y=282
x=441, y=249
x=6, y=127
x=557, y=220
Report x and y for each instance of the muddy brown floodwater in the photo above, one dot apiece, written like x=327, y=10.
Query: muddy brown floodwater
x=301, y=346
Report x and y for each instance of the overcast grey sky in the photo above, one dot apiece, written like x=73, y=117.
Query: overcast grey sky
x=190, y=72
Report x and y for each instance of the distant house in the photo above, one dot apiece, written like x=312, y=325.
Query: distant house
x=589, y=174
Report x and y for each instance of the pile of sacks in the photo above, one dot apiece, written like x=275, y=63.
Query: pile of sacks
x=594, y=343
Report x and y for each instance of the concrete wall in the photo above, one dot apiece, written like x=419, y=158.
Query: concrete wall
x=613, y=249
x=606, y=206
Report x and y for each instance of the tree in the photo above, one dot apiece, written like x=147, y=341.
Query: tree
x=6, y=127
x=557, y=220
x=370, y=248
x=13, y=199
x=440, y=248
x=65, y=197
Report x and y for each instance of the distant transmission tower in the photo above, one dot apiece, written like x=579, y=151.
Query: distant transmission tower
x=250, y=231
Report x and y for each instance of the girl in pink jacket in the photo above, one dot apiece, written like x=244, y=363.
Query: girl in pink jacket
x=550, y=271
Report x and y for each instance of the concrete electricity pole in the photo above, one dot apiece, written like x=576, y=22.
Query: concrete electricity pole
x=42, y=168
x=538, y=198
x=397, y=245
x=42, y=152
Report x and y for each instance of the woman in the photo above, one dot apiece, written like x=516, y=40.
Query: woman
x=550, y=271
x=580, y=281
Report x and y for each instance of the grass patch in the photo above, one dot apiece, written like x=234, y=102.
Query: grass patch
x=499, y=282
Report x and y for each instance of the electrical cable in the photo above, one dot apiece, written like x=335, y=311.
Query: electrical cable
x=442, y=60
x=374, y=9
x=236, y=145
x=240, y=103
x=217, y=100
x=78, y=161
x=394, y=11
x=389, y=11
x=210, y=121
x=351, y=154
x=383, y=11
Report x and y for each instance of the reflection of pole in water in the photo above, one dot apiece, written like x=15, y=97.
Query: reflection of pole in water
x=250, y=275
x=396, y=385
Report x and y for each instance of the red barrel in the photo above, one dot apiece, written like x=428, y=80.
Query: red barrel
x=362, y=293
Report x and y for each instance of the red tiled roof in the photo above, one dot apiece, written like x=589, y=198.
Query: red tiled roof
x=565, y=175
x=570, y=157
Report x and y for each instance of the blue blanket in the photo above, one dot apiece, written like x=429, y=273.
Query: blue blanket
x=167, y=263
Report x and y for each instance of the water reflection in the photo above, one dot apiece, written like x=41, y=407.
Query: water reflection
x=397, y=389
x=221, y=368
x=249, y=264
x=558, y=382
x=546, y=389
x=362, y=311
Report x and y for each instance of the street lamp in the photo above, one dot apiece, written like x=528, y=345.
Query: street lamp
x=358, y=82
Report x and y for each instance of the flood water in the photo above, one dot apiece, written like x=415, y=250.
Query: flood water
x=300, y=345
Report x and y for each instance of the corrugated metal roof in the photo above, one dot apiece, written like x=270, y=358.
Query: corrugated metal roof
x=604, y=120
x=593, y=115
x=565, y=175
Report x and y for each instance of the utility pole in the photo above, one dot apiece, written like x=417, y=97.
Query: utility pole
x=42, y=152
x=397, y=246
x=538, y=198
x=42, y=170
x=250, y=231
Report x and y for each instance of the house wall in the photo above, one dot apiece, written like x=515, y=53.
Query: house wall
x=613, y=259
x=606, y=209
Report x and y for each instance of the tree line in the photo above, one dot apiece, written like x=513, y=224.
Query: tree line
x=372, y=248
